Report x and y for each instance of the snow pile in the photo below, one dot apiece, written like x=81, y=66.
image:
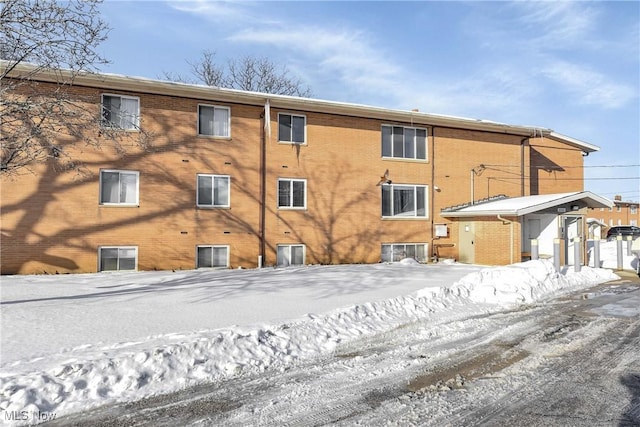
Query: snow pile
x=80, y=383
x=525, y=282
x=609, y=255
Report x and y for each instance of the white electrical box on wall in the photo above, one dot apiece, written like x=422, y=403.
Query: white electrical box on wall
x=441, y=230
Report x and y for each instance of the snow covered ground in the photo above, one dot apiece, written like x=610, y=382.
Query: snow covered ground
x=609, y=257
x=72, y=342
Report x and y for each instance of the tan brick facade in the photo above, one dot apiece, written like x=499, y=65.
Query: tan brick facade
x=53, y=222
x=622, y=213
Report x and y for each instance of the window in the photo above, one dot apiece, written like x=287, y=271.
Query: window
x=634, y=223
x=212, y=256
x=290, y=255
x=618, y=208
x=398, y=251
x=213, y=191
x=114, y=258
x=292, y=193
x=121, y=111
x=404, y=142
x=213, y=121
x=292, y=128
x=405, y=201
x=119, y=187
x=633, y=209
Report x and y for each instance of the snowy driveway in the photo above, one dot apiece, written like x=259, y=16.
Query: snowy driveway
x=570, y=361
x=72, y=342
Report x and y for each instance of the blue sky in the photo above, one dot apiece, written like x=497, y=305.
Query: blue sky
x=573, y=67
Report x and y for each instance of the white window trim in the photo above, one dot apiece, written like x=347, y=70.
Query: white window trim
x=227, y=247
x=291, y=207
x=214, y=107
x=212, y=206
x=426, y=249
x=289, y=246
x=408, y=159
x=100, y=248
x=284, y=113
x=407, y=217
x=136, y=203
x=110, y=125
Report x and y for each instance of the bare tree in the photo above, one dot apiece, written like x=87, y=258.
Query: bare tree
x=39, y=121
x=247, y=73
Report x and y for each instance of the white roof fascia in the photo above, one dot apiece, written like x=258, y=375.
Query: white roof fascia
x=586, y=147
x=144, y=85
x=519, y=206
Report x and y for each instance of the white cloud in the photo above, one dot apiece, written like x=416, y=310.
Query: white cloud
x=589, y=87
x=341, y=51
x=555, y=25
x=227, y=12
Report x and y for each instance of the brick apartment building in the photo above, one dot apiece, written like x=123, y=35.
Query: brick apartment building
x=621, y=213
x=241, y=179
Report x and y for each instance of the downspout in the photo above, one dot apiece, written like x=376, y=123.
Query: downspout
x=522, y=175
x=263, y=180
x=504, y=220
x=522, y=167
x=433, y=191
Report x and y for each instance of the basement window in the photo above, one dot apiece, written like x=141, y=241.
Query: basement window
x=212, y=256
x=394, y=252
x=290, y=255
x=118, y=258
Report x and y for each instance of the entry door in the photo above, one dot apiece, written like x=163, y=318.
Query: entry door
x=467, y=242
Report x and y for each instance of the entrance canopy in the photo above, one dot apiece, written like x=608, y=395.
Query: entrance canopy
x=519, y=206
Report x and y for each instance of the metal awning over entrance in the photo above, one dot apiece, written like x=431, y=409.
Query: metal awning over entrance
x=542, y=220
x=519, y=206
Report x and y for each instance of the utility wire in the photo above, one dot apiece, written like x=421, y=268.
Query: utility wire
x=566, y=167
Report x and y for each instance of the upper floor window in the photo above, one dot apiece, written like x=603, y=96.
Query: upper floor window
x=119, y=187
x=292, y=193
x=121, y=111
x=404, y=142
x=292, y=128
x=213, y=191
x=214, y=121
x=633, y=209
x=404, y=201
x=618, y=208
x=117, y=258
